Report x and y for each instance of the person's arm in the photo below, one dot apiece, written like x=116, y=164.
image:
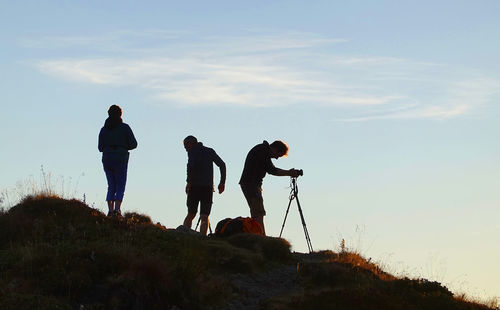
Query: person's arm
x=100, y=143
x=132, y=142
x=281, y=172
x=189, y=172
x=222, y=167
x=271, y=169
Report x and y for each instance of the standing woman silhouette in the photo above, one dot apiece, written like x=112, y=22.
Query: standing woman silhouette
x=115, y=140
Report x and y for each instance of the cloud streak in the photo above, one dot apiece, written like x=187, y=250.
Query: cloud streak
x=461, y=98
x=265, y=70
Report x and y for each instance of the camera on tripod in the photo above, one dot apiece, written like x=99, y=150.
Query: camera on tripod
x=294, y=192
x=300, y=172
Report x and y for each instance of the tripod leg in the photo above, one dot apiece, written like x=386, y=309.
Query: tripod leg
x=306, y=232
x=199, y=219
x=286, y=214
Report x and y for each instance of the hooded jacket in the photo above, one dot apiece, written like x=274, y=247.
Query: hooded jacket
x=116, y=138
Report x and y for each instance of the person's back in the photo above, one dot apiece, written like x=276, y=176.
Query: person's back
x=257, y=164
x=115, y=140
x=200, y=171
x=118, y=139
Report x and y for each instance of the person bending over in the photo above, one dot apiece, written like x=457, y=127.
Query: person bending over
x=257, y=164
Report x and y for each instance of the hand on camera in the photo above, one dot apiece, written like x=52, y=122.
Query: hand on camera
x=295, y=173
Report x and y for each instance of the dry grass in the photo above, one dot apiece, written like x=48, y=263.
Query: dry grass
x=346, y=280
x=45, y=185
x=493, y=303
x=62, y=254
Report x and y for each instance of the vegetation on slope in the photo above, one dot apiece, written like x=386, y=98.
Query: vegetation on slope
x=62, y=254
x=347, y=281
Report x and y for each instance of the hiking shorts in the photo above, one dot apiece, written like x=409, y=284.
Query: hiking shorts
x=253, y=195
x=200, y=195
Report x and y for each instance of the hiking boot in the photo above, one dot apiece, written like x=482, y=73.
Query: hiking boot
x=110, y=213
x=118, y=213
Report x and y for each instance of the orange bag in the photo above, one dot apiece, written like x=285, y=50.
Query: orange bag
x=228, y=226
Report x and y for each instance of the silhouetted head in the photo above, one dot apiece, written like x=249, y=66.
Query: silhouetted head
x=115, y=117
x=278, y=149
x=115, y=111
x=189, y=142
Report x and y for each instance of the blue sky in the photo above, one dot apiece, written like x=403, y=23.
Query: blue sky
x=390, y=107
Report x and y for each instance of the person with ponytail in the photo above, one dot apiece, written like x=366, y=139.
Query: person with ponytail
x=116, y=139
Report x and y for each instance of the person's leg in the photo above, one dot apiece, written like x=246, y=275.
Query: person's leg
x=188, y=221
x=121, y=181
x=110, y=177
x=110, y=207
x=118, y=204
x=260, y=220
x=253, y=195
x=192, y=205
x=206, y=197
x=204, y=224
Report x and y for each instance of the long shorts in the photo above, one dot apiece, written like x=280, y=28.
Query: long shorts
x=200, y=195
x=253, y=195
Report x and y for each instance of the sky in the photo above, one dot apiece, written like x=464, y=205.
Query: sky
x=390, y=107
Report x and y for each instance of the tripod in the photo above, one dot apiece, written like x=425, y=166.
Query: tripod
x=209, y=226
x=294, y=192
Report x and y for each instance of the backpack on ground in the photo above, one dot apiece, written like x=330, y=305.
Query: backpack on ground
x=228, y=227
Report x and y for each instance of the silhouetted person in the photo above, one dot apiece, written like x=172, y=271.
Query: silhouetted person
x=115, y=140
x=200, y=180
x=257, y=164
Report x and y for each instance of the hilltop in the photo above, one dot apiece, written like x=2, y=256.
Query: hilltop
x=62, y=254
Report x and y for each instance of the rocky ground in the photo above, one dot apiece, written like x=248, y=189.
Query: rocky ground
x=251, y=291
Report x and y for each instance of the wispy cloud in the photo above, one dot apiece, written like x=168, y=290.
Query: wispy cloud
x=261, y=70
x=124, y=39
x=460, y=98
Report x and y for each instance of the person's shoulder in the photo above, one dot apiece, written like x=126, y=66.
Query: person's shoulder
x=125, y=126
x=104, y=131
x=208, y=150
x=262, y=146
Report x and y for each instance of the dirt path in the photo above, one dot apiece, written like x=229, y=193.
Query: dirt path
x=252, y=290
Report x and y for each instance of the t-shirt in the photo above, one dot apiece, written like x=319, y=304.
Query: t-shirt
x=257, y=164
x=200, y=171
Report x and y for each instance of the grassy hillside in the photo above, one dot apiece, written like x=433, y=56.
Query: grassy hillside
x=62, y=254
